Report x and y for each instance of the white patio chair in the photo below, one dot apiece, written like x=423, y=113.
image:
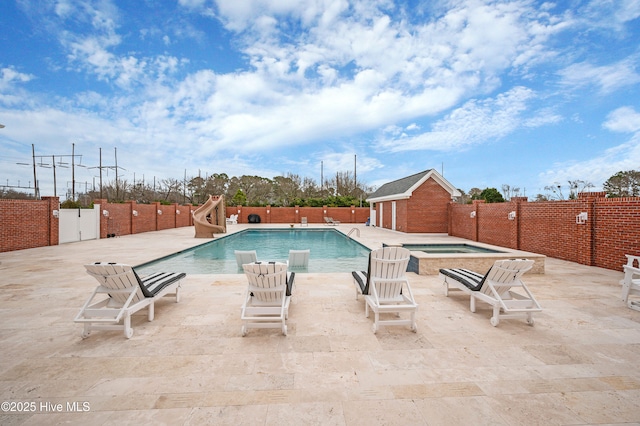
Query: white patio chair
x=497, y=288
x=124, y=294
x=245, y=256
x=299, y=259
x=386, y=287
x=266, y=301
x=631, y=281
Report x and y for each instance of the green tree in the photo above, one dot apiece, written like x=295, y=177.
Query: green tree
x=490, y=195
x=623, y=184
x=239, y=199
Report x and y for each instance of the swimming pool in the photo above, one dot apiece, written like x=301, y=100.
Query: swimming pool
x=331, y=251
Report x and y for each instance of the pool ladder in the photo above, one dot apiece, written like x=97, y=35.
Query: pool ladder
x=351, y=232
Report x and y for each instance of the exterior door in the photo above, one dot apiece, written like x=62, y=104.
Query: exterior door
x=393, y=215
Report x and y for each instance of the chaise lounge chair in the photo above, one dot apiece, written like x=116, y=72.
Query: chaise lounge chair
x=266, y=301
x=125, y=293
x=299, y=259
x=386, y=288
x=497, y=288
x=330, y=221
x=631, y=281
x=245, y=256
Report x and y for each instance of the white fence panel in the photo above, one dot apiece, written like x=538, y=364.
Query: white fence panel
x=79, y=225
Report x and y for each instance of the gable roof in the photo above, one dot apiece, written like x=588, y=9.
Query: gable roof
x=403, y=188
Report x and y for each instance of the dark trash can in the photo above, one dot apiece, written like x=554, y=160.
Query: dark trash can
x=254, y=218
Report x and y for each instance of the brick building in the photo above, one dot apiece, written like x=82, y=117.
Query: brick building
x=416, y=203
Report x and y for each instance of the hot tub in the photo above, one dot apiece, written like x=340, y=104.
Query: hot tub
x=427, y=259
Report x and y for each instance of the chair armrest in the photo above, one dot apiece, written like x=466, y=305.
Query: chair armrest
x=631, y=259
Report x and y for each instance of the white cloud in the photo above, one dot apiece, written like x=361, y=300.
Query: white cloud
x=475, y=122
x=610, y=14
x=623, y=119
x=9, y=77
x=625, y=156
x=596, y=170
x=606, y=77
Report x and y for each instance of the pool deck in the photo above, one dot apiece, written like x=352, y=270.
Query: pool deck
x=579, y=364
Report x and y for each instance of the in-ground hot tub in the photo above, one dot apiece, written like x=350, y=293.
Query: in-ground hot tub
x=427, y=259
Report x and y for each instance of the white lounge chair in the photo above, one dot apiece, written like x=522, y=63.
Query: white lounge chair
x=497, y=288
x=386, y=287
x=299, y=259
x=245, y=256
x=232, y=219
x=304, y=222
x=631, y=281
x=124, y=294
x=266, y=301
x=330, y=221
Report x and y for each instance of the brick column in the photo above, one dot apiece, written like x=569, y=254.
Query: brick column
x=54, y=221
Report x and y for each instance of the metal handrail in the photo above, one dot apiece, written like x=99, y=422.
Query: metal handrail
x=354, y=229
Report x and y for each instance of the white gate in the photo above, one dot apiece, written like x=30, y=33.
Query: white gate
x=79, y=225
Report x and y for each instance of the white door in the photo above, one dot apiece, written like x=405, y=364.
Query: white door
x=372, y=215
x=393, y=215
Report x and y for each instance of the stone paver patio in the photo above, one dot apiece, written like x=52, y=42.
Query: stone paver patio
x=579, y=364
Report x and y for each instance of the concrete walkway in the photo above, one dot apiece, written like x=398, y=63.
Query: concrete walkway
x=579, y=364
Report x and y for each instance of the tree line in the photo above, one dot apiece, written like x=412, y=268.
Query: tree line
x=341, y=190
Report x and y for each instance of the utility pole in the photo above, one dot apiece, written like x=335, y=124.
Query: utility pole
x=100, y=167
x=355, y=175
x=35, y=179
x=321, y=178
x=73, y=173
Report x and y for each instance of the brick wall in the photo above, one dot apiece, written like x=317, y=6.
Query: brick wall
x=612, y=228
x=616, y=231
x=295, y=214
x=427, y=208
x=28, y=223
x=133, y=218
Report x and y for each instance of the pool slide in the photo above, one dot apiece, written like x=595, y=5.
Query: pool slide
x=210, y=218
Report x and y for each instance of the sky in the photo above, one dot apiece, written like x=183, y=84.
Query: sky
x=490, y=93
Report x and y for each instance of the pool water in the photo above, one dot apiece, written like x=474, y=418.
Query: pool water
x=331, y=251
x=448, y=248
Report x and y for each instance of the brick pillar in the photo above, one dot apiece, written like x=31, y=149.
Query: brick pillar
x=54, y=221
x=476, y=218
x=104, y=220
x=515, y=230
x=133, y=213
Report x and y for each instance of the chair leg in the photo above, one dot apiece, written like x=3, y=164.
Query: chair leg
x=87, y=330
x=128, y=331
x=366, y=310
x=151, y=311
x=472, y=304
x=495, y=319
